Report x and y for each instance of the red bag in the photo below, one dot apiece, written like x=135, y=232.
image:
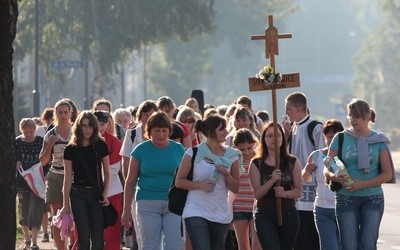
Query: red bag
x=35, y=178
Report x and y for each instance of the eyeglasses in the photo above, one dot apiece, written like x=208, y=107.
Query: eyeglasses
x=350, y=117
x=190, y=121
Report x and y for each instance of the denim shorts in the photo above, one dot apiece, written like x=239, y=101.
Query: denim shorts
x=242, y=215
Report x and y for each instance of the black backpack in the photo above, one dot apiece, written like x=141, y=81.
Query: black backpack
x=176, y=196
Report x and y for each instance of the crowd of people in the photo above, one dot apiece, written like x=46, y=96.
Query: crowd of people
x=256, y=184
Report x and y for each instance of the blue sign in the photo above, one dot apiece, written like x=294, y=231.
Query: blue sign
x=63, y=64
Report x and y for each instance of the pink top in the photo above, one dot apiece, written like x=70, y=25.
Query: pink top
x=243, y=201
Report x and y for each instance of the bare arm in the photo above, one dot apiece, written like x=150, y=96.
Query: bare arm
x=307, y=171
x=384, y=176
x=129, y=189
x=181, y=178
x=106, y=171
x=67, y=186
x=125, y=166
x=45, y=152
x=260, y=190
x=232, y=177
x=297, y=189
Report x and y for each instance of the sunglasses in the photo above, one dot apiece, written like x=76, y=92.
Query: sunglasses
x=190, y=121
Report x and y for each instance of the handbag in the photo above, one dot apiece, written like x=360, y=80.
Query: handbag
x=35, y=178
x=334, y=185
x=110, y=214
x=177, y=196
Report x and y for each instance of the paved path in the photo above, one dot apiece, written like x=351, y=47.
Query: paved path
x=387, y=237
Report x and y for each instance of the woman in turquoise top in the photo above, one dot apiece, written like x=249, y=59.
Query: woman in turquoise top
x=151, y=167
x=366, y=156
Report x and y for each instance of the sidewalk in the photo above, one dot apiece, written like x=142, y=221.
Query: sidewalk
x=44, y=246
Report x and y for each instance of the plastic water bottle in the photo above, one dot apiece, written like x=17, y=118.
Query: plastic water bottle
x=330, y=164
x=213, y=179
x=343, y=171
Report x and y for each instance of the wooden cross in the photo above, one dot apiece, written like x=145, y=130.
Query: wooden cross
x=291, y=80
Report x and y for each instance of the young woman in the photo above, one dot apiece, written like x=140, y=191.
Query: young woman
x=151, y=169
x=207, y=214
x=52, y=150
x=187, y=116
x=84, y=192
x=243, y=201
x=263, y=178
x=242, y=118
x=324, y=205
x=30, y=206
x=366, y=156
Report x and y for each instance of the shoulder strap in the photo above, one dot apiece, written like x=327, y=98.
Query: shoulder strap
x=133, y=134
x=341, y=138
x=310, y=130
x=190, y=175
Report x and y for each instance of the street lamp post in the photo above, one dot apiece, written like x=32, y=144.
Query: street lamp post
x=35, y=91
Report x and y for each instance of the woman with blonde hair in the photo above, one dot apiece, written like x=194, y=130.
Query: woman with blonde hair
x=187, y=116
x=54, y=143
x=30, y=206
x=367, y=159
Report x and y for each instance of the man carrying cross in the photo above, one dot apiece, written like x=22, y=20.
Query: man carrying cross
x=304, y=136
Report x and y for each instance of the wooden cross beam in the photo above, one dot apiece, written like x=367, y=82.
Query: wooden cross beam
x=271, y=38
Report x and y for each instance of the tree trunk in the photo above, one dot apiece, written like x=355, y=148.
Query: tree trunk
x=8, y=20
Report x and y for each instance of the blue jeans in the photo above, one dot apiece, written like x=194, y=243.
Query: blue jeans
x=328, y=231
x=274, y=237
x=359, y=219
x=156, y=222
x=88, y=217
x=205, y=234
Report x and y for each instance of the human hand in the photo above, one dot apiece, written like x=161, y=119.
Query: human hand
x=65, y=210
x=105, y=201
x=18, y=166
x=223, y=170
x=53, y=139
x=208, y=186
x=280, y=192
x=310, y=168
x=126, y=218
x=276, y=175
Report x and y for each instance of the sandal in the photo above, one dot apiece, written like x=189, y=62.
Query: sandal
x=34, y=246
x=45, y=237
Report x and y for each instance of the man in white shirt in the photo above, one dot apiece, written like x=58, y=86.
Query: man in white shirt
x=301, y=143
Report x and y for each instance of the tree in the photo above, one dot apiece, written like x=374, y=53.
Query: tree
x=376, y=77
x=8, y=20
x=103, y=32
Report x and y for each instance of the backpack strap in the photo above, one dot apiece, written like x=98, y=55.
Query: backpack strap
x=190, y=175
x=133, y=134
x=310, y=130
x=341, y=138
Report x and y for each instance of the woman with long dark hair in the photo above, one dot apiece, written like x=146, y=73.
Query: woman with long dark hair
x=85, y=158
x=263, y=178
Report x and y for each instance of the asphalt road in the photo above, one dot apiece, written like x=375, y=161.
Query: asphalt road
x=389, y=236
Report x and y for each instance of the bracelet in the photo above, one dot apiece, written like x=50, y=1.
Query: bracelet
x=287, y=194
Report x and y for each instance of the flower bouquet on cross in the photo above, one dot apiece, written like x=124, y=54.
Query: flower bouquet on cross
x=267, y=73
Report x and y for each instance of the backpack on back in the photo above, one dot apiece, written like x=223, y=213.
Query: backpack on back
x=310, y=129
